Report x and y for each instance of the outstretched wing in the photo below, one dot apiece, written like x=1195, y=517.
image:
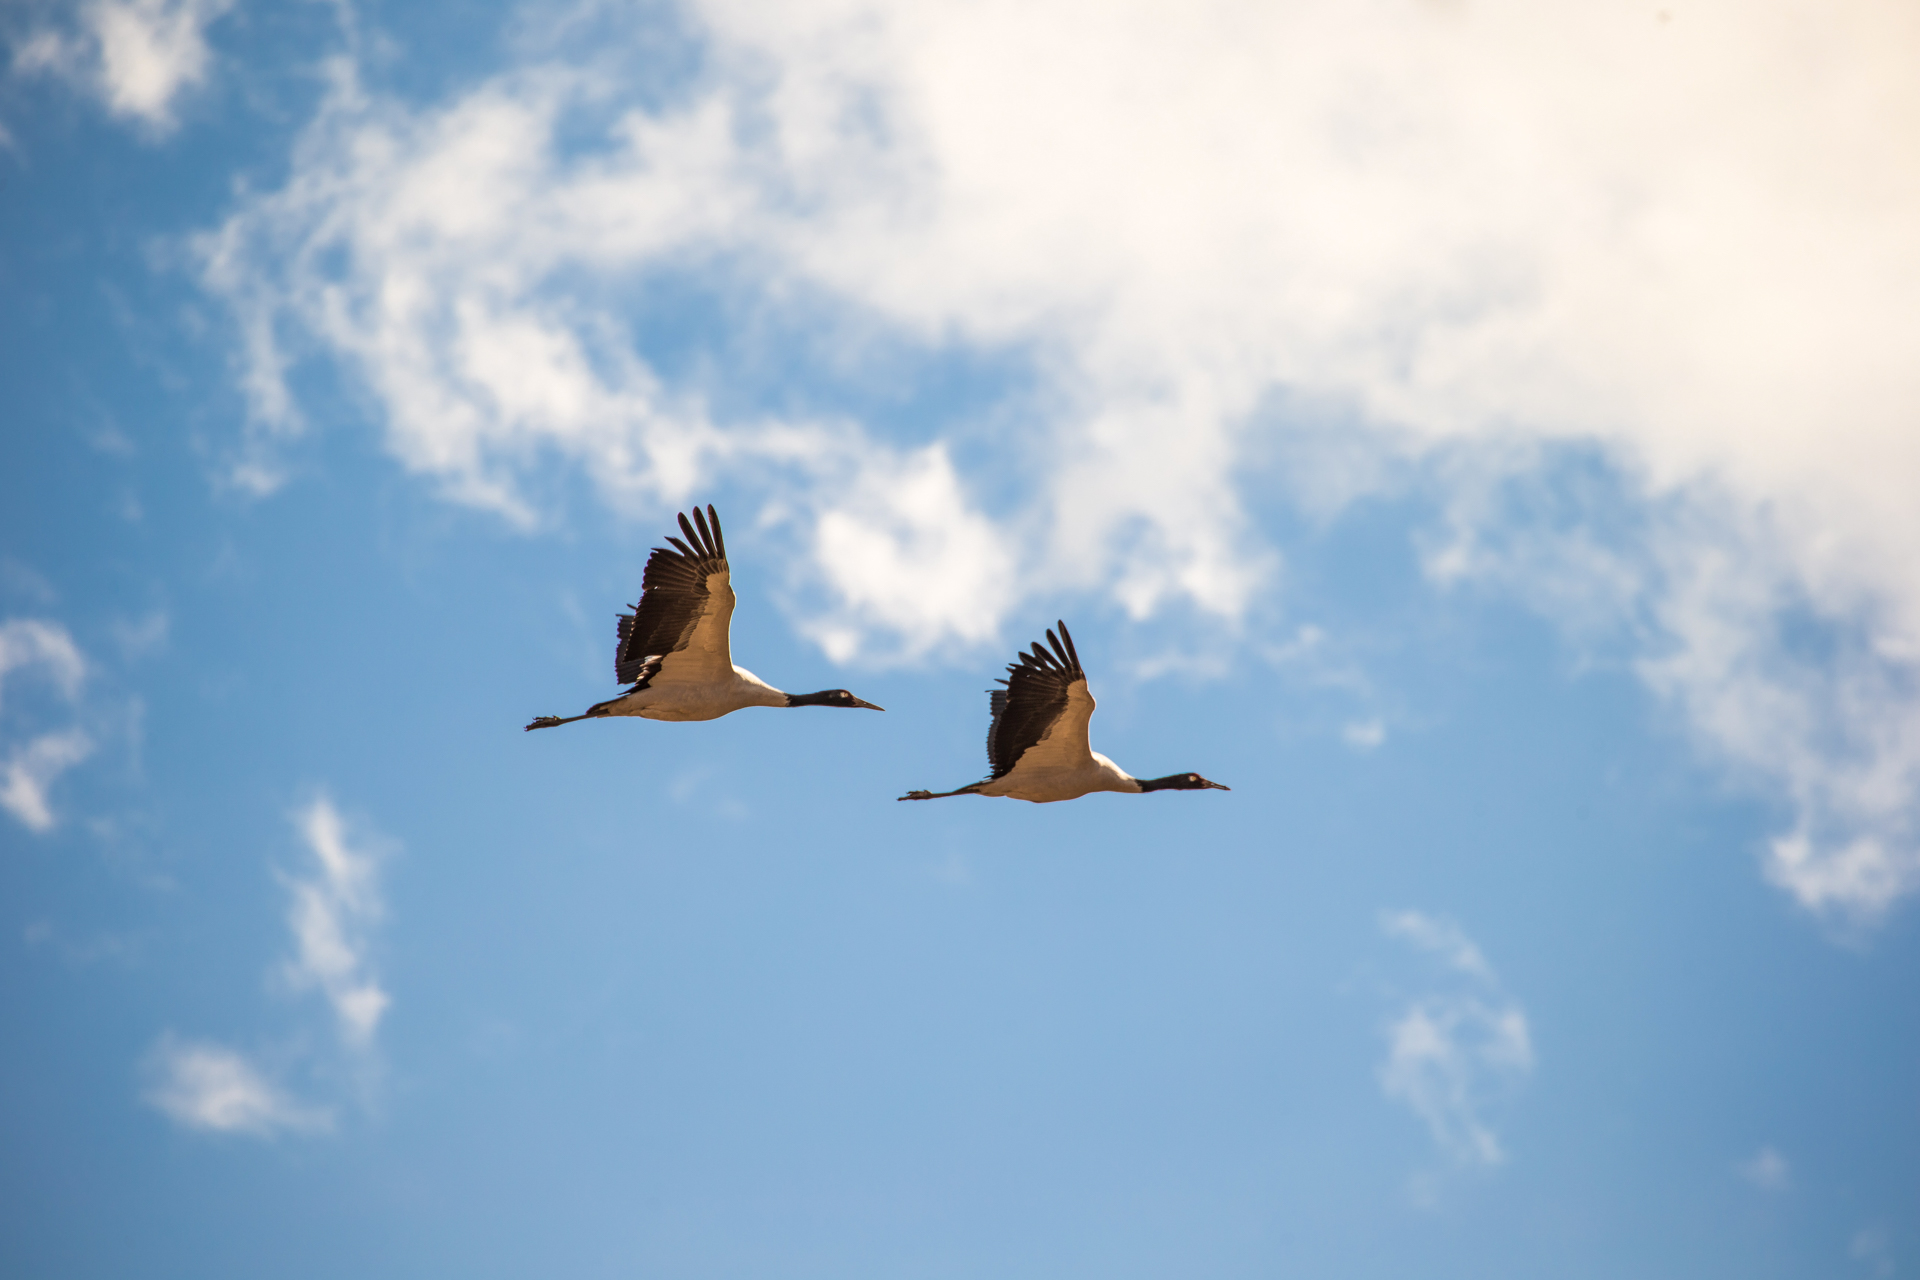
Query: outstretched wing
x=1043, y=711
x=685, y=609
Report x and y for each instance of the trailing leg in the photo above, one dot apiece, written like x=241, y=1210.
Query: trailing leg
x=972, y=788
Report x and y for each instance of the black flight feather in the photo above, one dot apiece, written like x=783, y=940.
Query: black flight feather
x=673, y=596
x=1035, y=696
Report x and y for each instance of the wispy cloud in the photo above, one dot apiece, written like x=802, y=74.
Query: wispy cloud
x=1453, y=1053
x=35, y=642
x=210, y=1087
x=1837, y=732
x=1441, y=939
x=30, y=771
x=1364, y=735
x=336, y=902
x=1471, y=238
x=137, y=56
x=334, y=909
x=34, y=761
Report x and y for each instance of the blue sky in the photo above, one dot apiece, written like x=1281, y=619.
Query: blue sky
x=1482, y=434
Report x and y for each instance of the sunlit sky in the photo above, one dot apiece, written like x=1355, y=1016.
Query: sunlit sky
x=1483, y=434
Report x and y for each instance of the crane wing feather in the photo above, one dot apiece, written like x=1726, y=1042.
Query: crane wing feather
x=679, y=627
x=1044, y=709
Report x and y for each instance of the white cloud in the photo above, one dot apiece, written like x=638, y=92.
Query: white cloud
x=1767, y=1170
x=34, y=763
x=1838, y=732
x=1441, y=1053
x=902, y=552
x=333, y=911
x=149, y=51
x=1479, y=234
x=31, y=769
x=35, y=643
x=207, y=1086
x=335, y=904
x=1441, y=939
x=138, y=56
x=1453, y=1054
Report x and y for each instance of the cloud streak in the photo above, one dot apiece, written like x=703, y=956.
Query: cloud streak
x=212, y=1088
x=1453, y=1054
x=30, y=770
x=34, y=642
x=334, y=910
x=32, y=765
x=1471, y=238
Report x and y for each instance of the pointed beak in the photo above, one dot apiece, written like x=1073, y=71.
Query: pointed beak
x=1219, y=786
x=868, y=705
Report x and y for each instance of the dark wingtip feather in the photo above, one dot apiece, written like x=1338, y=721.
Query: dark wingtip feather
x=686, y=527
x=706, y=534
x=685, y=550
x=1072, y=653
x=1060, y=650
x=719, y=539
